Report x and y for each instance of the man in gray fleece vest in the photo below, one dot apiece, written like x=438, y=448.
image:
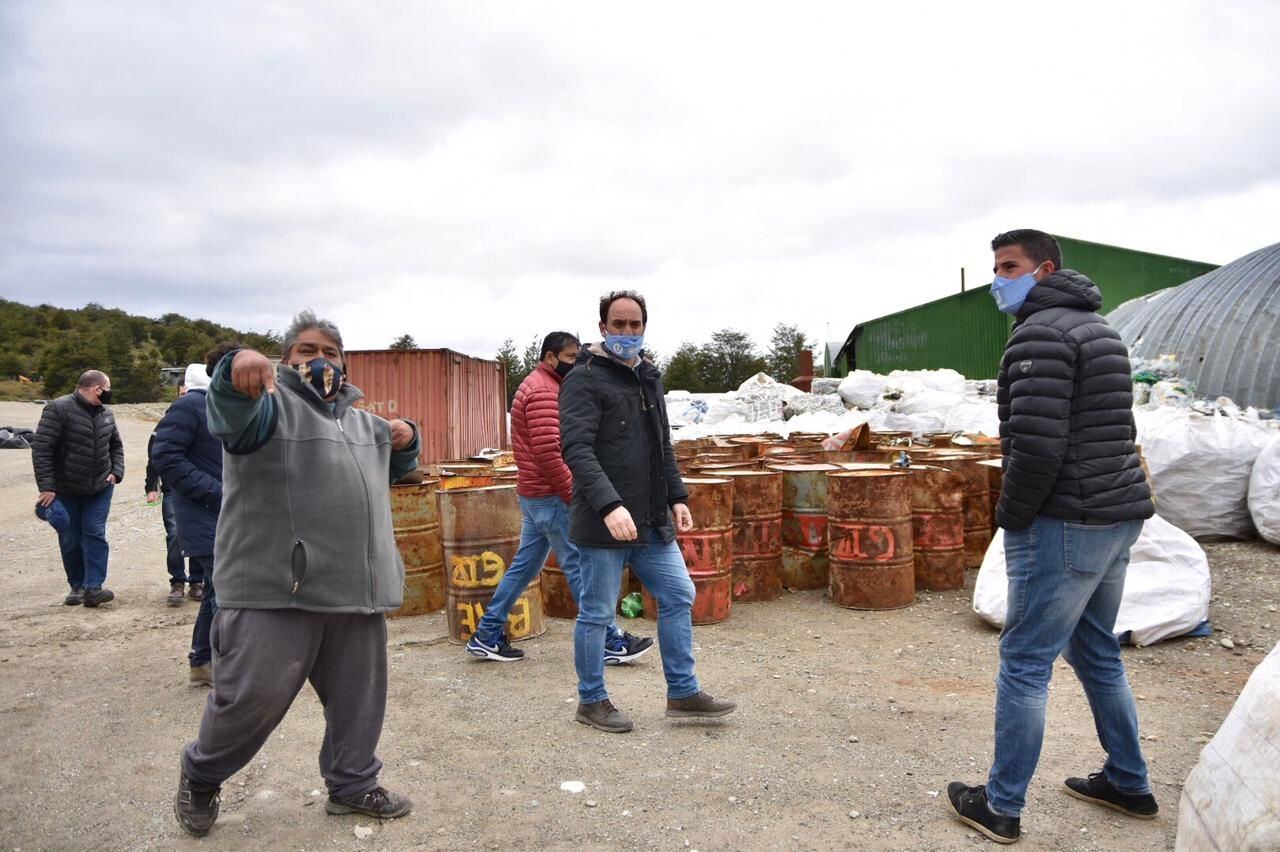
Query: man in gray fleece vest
x=305, y=567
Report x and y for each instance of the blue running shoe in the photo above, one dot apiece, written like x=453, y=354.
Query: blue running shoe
x=502, y=651
x=625, y=648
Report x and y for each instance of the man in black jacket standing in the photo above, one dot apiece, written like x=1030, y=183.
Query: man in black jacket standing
x=626, y=489
x=1073, y=503
x=79, y=459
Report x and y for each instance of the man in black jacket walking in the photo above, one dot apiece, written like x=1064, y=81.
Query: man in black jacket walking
x=1073, y=503
x=626, y=489
x=79, y=459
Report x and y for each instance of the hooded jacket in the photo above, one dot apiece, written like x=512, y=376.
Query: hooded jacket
x=617, y=443
x=1065, y=400
x=535, y=437
x=76, y=446
x=189, y=461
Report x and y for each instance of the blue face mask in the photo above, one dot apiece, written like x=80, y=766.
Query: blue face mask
x=1010, y=293
x=624, y=347
x=323, y=375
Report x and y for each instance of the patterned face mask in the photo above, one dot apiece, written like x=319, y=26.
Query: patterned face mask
x=323, y=375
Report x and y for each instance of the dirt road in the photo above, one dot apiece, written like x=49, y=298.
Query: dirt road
x=851, y=723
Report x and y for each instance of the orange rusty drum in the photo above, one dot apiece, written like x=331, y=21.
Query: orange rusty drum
x=416, y=523
x=464, y=474
x=557, y=598
x=481, y=531
x=995, y=482
x=707, y=550
x=977, y=500
x=757, y=534
x=872, y=566
x=804, y=524
x=937, y=524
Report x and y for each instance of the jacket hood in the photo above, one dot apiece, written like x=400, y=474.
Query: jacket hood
x=1063, y=288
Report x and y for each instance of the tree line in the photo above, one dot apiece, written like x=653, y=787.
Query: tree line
x=55, y=345
x=721, y=364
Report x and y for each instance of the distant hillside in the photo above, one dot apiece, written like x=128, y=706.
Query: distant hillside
x=53, y=346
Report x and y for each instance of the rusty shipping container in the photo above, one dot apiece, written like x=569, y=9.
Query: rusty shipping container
x=872, y=563
x=707, y=550
x=416, y=521
x=481, y=532
x=458, y=402
x=804, y=524
x=937, y=526
x=757, y=534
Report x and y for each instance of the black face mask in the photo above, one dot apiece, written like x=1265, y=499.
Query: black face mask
x=105, y=397
x=563, y=369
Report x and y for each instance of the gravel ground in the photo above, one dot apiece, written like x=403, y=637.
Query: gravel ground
x=850, y=723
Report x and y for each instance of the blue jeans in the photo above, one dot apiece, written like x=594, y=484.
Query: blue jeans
x=544, y=526
x=1065, y=584
x=201, y=647
x=661, y=568
x=84, y=544
x=173, y=551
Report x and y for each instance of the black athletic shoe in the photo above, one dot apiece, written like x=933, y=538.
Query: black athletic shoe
x=1097, y=789
x=378, y=803
x=196, y=810
x=625, y=648
x=97, y=597
x=500, y=651
x=75, y=597
x=970, y=806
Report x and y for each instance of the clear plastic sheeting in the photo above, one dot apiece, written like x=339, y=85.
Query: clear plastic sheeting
x=1200, y=466
x=1166, y=588
x=1264, y=491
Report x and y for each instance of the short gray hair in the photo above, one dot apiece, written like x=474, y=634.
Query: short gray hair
x=305, y=321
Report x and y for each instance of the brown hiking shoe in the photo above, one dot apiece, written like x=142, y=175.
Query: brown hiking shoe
x=700, y=706
x=176, y=594
x=603, y=716
x=97, y=597
x=201, y=675
x=197, y=591
x=196, y=810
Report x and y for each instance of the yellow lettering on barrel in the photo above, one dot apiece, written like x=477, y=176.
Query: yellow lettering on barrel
x=519, y=619
x=469, y=615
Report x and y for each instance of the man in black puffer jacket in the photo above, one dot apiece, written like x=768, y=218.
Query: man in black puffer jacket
x=1073, y=503
x=628, y=501
x=79, y=460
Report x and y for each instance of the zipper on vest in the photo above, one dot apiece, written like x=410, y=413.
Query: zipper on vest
x=368, y=505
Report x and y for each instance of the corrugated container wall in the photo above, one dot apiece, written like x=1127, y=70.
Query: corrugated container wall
x=457, y=401
x=965, y=332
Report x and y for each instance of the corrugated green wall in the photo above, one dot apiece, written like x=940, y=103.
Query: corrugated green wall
x=965, y=331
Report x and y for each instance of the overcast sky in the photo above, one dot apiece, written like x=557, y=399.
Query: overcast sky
x=469, y=171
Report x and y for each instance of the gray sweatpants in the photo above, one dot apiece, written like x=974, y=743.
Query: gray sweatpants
x=261, y=658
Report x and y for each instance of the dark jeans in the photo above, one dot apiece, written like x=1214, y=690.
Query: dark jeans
x=201, y=650
x=173, y=551
x=84, y=544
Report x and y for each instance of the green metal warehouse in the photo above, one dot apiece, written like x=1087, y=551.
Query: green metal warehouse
x=965, y=332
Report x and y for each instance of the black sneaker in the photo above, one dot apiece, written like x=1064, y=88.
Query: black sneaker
x=196, y=810
x=971, y=808
x=377, y=803
x=96, y=597
x=1097, y=789
x=500, y=651
x=75, y=597
x=625, y=648
x=603, y=716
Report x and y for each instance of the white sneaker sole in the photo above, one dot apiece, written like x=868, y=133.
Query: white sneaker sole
x=623, y=659
x=486, y=654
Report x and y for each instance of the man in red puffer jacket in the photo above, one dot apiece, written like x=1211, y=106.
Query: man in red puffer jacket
x=545, y=488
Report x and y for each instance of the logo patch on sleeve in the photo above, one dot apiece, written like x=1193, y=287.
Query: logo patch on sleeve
x=1025, y=366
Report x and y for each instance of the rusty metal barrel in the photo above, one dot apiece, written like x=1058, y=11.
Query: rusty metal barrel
x=464, y=474
x=757, y=534
x=707, y=550
x=995, y=483
x=977, y=501
x=416, y=523
x=557, y=598
x=872, y=565
x=804, y=524
x=937, y=526
x=481, y=532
